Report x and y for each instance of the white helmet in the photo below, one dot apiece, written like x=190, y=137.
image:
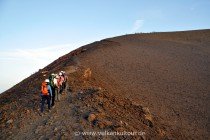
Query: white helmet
x=60, y=74
x=47, y=80
x=63, y=72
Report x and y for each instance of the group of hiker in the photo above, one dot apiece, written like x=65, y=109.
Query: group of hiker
x=52, y=88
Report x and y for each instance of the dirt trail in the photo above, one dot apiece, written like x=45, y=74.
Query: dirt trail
x=55, y=124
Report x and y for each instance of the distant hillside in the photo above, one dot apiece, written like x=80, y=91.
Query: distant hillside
x=156, y=84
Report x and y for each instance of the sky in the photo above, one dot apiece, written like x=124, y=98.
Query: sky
x=33, y=33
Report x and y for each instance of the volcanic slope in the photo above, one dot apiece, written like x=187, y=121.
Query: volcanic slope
x=156, y=84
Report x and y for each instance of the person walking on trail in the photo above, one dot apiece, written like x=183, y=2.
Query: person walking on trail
x=53, y=86
x=57, y=88
x=64, y=85
x=60, y=82
x=46, y=94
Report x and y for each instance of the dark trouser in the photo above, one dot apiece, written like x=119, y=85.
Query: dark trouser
x=53, y=96
x=44, y=98
x=63, y=87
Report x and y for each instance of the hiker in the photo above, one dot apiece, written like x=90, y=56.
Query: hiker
x=46, y=94
x=53, y=86
x=60, y=82
x=64, y=85
x=57, y=87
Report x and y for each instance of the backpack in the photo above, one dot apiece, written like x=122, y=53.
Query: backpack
x=55, y=81
x=44, y=89
x=51, y=78
x=61, y=80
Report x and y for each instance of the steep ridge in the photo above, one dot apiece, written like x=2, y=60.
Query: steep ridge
x=155, y=84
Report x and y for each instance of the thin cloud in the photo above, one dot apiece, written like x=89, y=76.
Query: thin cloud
x=137, y=25
x=27, y=61
x=35, y=52
x=37, y=56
